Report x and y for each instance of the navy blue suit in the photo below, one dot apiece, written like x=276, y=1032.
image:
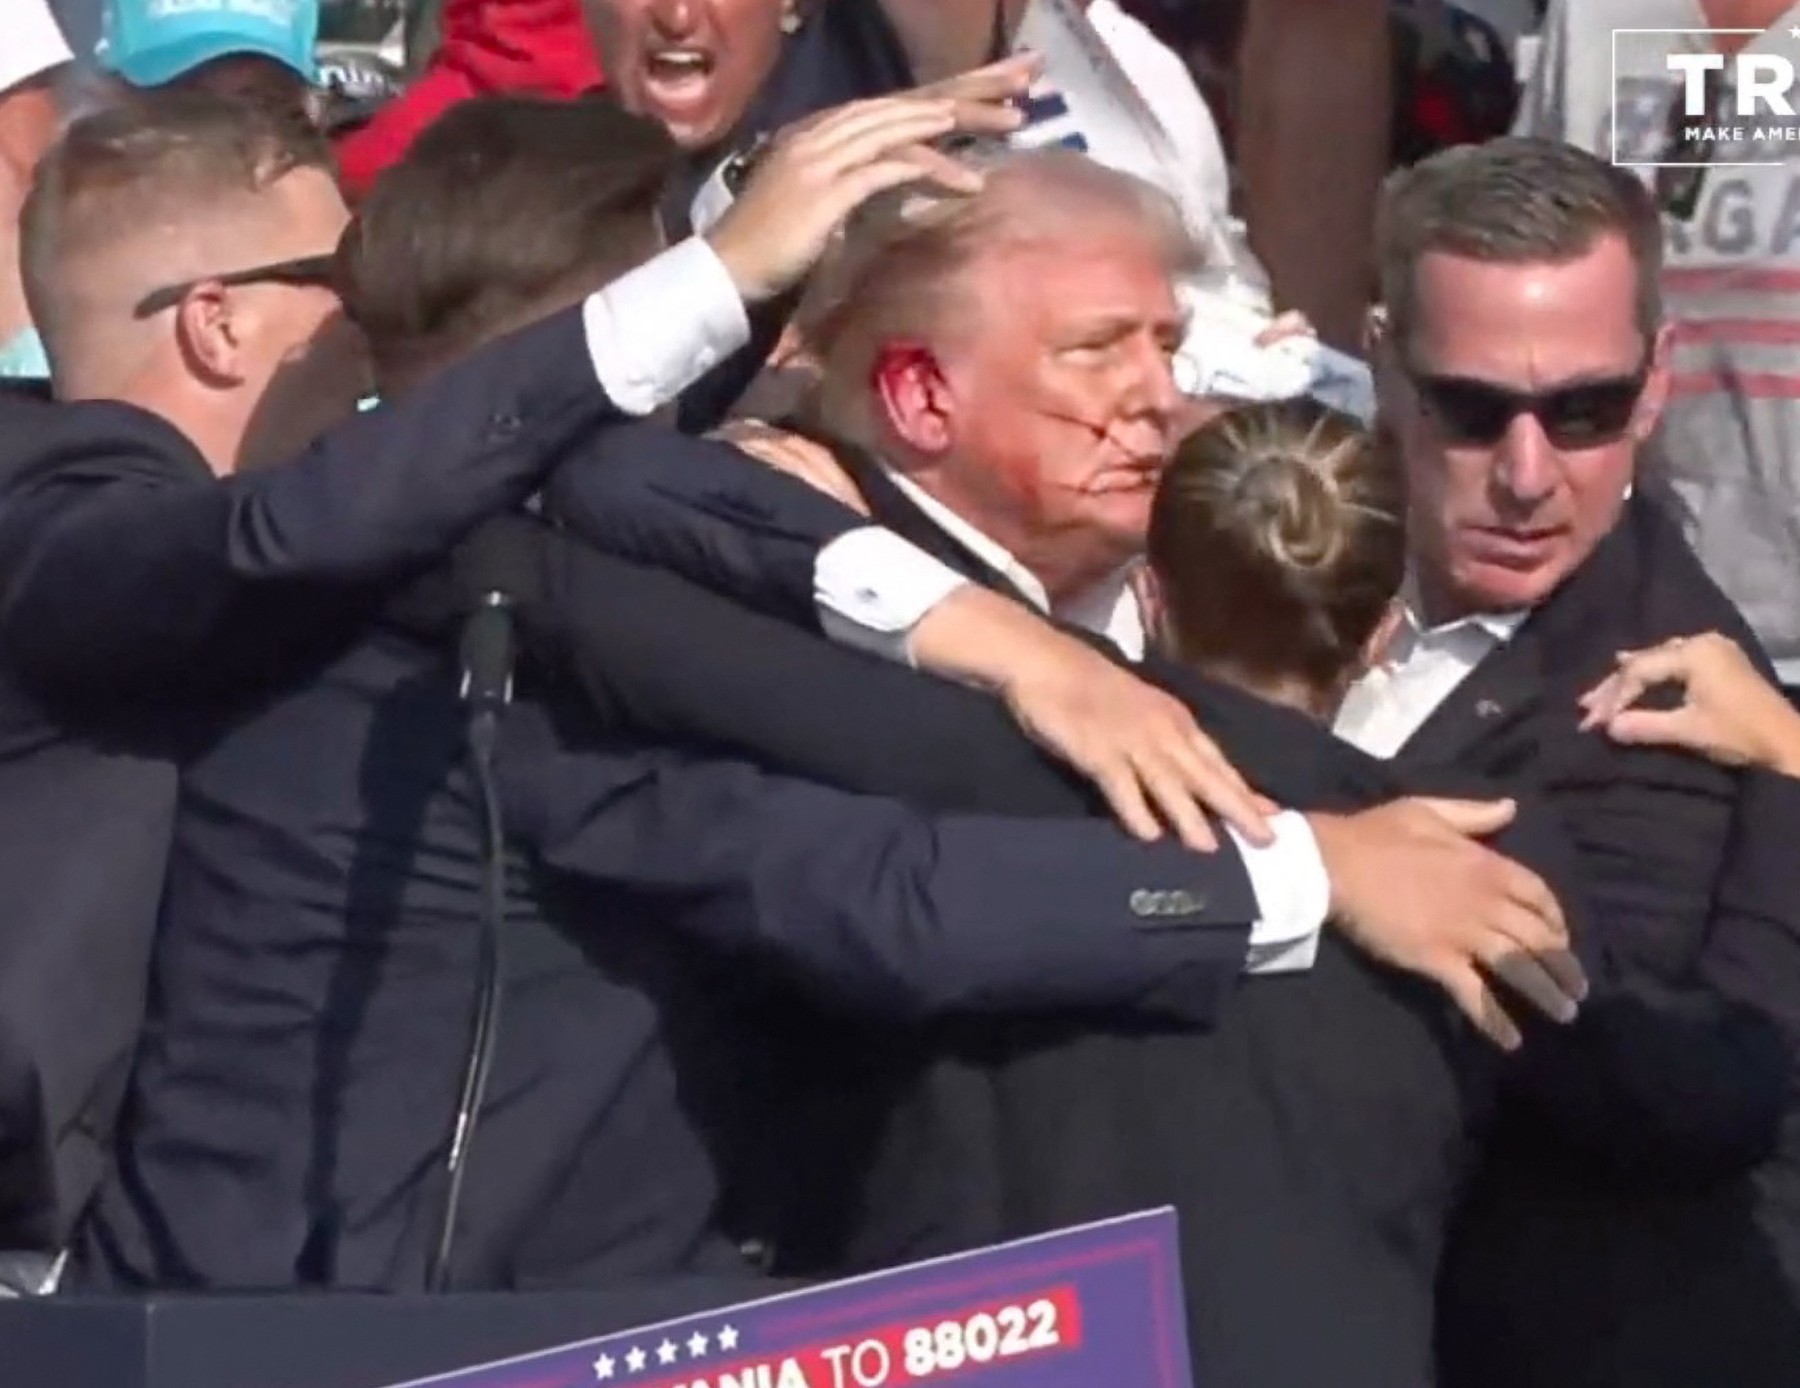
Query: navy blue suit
x=315, y=955
x=141, y=601
x=1080, y=1118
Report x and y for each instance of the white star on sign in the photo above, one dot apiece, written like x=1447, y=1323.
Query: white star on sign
x=696, y=1345
x=635, y=1360
x=603, y=1367
x=666, y=1352
x=1794, y=32
x=728, y=1337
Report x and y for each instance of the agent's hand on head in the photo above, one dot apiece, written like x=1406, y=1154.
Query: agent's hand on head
x=1411, y=886
x=817, y=172
x=1728, y=711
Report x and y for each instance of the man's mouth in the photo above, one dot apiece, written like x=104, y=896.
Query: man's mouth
x=1514, y=546
x=1135, y=475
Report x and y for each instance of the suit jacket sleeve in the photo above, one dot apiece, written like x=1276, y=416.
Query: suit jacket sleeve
x=665, y=659
x=882, y=910
x=127, y=565
x=702, y=509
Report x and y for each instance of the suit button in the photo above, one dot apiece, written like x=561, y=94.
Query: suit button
x=1169, y=905
x=504, y=425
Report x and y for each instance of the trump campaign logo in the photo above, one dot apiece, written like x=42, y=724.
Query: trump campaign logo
x=1100, y=1304
x=1732, y=96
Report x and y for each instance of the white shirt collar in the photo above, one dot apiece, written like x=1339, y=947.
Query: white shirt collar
x=1109, y=608
x=1497, y=628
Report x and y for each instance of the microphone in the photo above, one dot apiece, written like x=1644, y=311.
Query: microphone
x=494, y=570
x=488, y=650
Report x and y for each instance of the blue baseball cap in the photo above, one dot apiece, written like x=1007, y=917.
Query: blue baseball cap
x=150, y=42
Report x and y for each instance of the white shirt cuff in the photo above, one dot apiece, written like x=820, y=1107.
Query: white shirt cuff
x=656, y=330
x=1293, y=896
x=872, y=588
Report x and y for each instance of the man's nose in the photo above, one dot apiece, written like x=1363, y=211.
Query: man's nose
x=1152, y=388
x=1528, y=465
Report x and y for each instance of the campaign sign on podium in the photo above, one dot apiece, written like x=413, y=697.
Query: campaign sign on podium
x=1097, y=1305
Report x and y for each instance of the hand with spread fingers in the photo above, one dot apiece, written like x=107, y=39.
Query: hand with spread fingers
x=1413, y=886
x=1138, y=744
x=1729, y=713
x=818, y=171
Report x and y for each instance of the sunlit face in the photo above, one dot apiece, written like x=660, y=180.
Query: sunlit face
x=694, y=66
x=1499, y=522
x=1061, y=403
x=306, y=361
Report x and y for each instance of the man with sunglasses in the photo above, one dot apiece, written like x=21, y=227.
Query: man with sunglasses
x=1522, y=365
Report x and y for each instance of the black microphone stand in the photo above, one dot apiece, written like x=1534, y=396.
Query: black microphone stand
x=487, y=664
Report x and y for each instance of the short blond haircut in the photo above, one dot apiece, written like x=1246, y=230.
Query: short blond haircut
x=161, y=159
x=901, y=270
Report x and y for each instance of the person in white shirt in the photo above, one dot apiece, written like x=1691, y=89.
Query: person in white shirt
x=32, y=53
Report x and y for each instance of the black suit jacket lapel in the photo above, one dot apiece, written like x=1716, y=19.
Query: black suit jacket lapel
x=892, y=508
x=1496, y=695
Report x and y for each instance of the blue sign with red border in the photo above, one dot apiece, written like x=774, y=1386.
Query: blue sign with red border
x=1095, y=1307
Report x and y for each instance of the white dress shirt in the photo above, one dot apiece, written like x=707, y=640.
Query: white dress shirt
x=1424, y=666
x=873, y=588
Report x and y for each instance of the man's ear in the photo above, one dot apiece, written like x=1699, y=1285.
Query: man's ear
x=915, y=398
x=210, y=335
x=1383, y=354
x=1656, y=386
x=1375, y=329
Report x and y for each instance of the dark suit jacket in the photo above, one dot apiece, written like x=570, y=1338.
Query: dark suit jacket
x=315, y=947
x=1312, y=1140
x=134, y=605
x=1681, y=1276
x=1755, y=947
x=1658, y=1090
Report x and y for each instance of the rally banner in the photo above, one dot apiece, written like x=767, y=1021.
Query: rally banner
x=1095, y=1307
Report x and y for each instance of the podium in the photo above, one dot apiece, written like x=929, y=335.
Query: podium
x=1101, y=1303
x=320, y=1341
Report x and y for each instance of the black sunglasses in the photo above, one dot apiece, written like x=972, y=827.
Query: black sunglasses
x=1583, y=414
x=1681, y=174
x=306, y=270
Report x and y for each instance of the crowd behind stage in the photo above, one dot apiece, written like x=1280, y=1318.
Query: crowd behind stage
x=771, y=667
